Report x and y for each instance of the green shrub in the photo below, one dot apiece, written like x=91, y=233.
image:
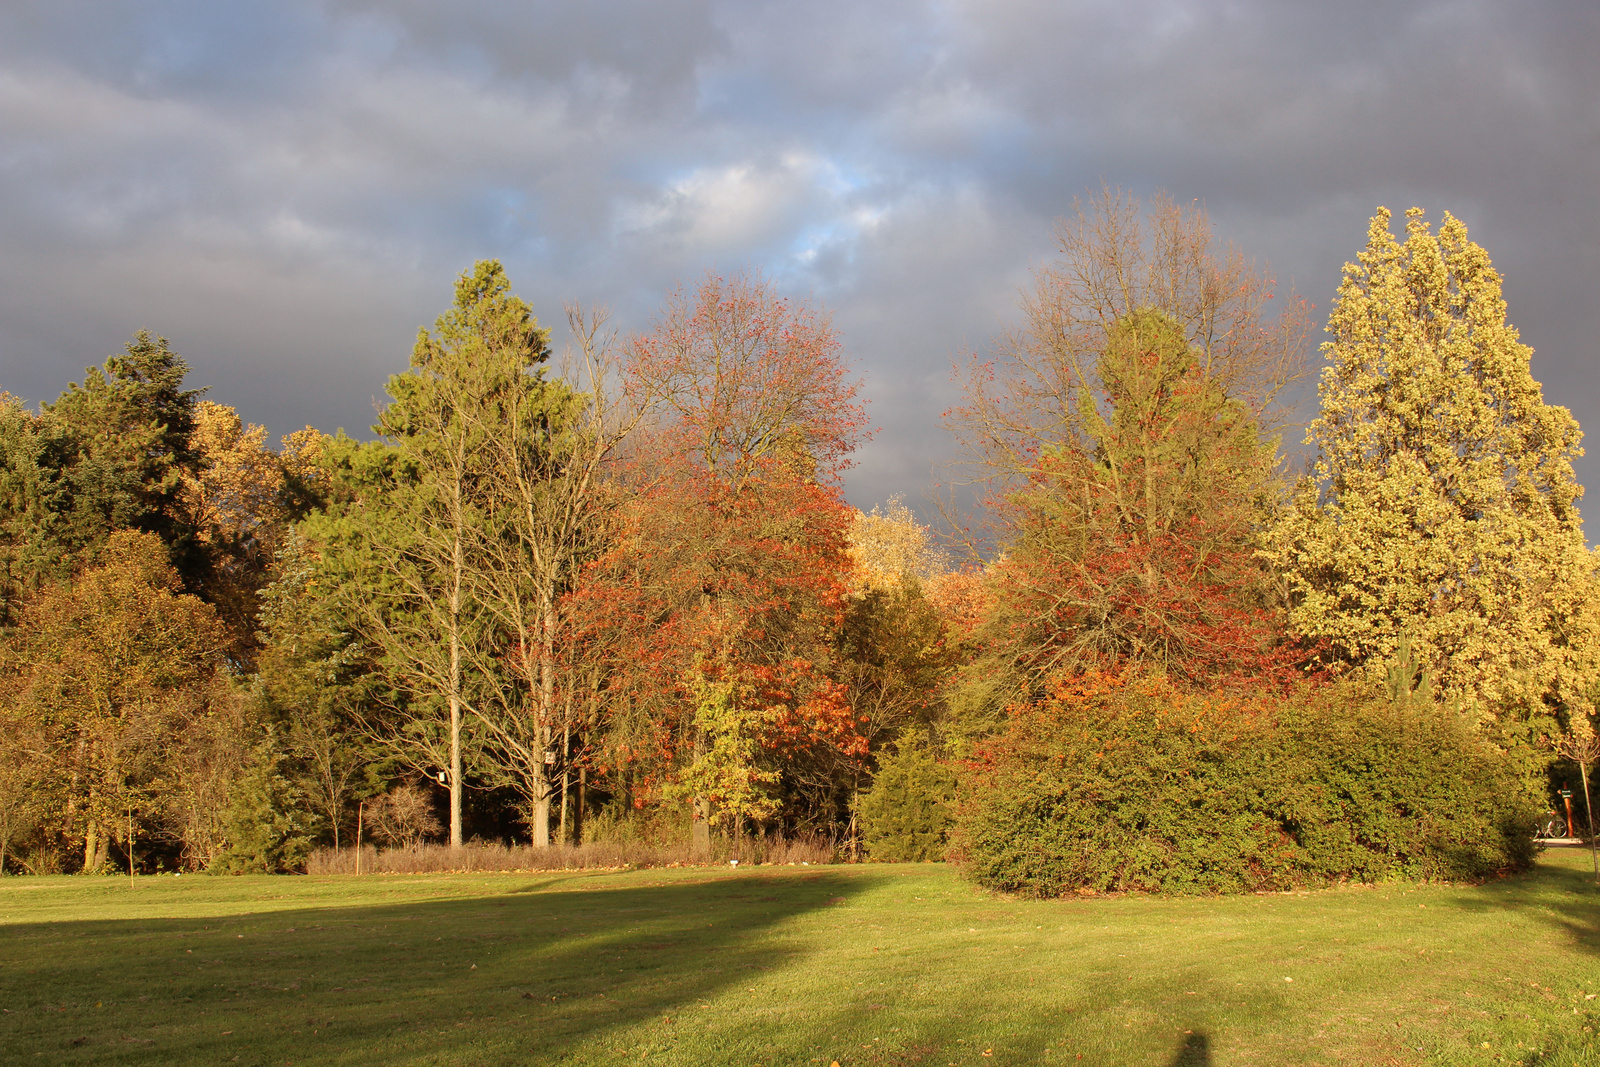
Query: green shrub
x=1130, y=784
x=269, y=826
x=905, y=816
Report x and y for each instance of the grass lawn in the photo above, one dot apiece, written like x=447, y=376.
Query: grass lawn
x=791, y=965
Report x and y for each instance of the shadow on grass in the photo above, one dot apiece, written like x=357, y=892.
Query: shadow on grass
x=1193, y=1051
x=521, y=976
x=1565, y=893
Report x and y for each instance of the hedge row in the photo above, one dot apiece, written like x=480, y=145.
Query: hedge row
x=1129, y=784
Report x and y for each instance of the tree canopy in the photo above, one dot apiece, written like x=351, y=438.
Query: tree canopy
x=1442, y=507
x=617, y=594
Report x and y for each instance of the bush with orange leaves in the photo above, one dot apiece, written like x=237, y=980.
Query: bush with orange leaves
x=1118, y=782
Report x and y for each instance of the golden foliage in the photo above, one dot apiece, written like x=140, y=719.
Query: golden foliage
x=1442, y=506
x=887, y=545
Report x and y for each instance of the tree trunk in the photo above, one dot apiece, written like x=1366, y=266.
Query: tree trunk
x=455, y=741
x=566, y=785
x=1594, y=855
x=700, y=840
x=541, y=796
x=457, y=577
x=855, y=838
x=547, y=700
x=94, y=849
x=577, y=807
x=455, y=769
x=541, y=822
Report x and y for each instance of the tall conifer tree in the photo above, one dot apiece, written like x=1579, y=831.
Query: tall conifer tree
x=412, y=522
x=1443, y=507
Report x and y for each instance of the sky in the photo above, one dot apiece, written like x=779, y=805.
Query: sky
x=287, y=190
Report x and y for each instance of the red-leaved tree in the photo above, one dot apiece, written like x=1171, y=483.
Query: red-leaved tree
x=744, y=375
x=1122, y=441
x=1133, y=543
x=716, y=611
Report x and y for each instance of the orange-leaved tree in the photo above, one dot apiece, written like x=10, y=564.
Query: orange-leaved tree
x=718, y=606
x=1121, y=440
x=1137, y=545
x=746, y=377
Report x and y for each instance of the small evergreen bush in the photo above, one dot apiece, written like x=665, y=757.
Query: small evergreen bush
x=906, y=814
x=269, y=826
x=1117, y=783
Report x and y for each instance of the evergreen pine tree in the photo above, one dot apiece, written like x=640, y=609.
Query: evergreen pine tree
x=906, y=814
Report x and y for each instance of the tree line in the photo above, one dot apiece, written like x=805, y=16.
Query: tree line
x=620, y=588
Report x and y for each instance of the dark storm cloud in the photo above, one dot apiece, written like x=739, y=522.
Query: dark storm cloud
x=287, y=190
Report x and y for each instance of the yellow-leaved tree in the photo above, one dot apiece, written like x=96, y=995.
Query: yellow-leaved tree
x=888, y=546
x=1442, y=508
x=114, y=679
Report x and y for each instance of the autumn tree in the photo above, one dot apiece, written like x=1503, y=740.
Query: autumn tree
x=427, y=618
x=718, y=613
x=455, y=537
x=721, y=598
x=1042, y=382
x=1134, y=545
x=747, y=378
x=541, y=500
x=234, y=500
x=1122, y=440
x=896, y=649
x=888, y=545
x=394, y=542
x=477, y=369
x=131, y=448
x=1442, y=509
x=895, y=652
x=962, y=599
x=549, y=501
x=114, y=671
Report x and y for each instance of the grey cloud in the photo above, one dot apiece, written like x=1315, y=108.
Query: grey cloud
x=605, y=55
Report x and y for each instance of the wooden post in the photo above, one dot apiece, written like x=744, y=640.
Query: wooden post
x=360, y=810
x=130, y=846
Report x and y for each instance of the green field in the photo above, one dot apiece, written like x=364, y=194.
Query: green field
x=791, y=965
